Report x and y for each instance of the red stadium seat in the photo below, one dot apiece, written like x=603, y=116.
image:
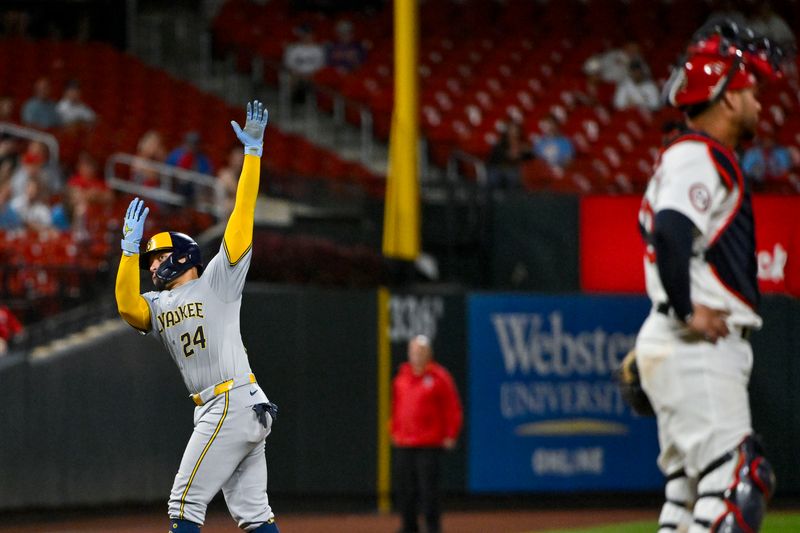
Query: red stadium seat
x=484, y=61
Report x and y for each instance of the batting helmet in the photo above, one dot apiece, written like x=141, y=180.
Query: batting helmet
x=185, y=255
x=722, y=56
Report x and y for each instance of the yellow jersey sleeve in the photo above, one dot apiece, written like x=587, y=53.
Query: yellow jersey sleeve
x=238, y=237
x=131, y=305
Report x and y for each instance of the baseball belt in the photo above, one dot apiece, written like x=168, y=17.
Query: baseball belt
x=743, y=331
x=202, y=397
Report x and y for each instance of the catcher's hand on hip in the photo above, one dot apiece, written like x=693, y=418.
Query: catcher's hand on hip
x=252, y=136
x=133, y=227
x=707, y=322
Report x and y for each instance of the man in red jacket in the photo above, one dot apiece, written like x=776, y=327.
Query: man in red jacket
x=426, y=417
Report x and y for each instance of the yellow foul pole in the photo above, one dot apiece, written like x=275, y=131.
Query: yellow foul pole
x=401, y=217
x=384, y=398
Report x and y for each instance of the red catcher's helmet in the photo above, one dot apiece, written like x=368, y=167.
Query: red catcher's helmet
x=722, y=56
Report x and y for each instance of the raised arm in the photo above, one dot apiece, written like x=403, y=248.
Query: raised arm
x=239, y=232
x=131, y=305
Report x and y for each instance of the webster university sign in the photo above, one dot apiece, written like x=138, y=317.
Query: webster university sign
x=544, y=412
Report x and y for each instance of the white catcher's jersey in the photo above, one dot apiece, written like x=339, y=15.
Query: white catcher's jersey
x=198, y=322
x=701, y=179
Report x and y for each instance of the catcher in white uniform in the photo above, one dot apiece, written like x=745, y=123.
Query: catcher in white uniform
x=692, y=352
x=197, y=319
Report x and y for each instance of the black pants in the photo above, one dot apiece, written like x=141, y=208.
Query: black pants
x=417, y=472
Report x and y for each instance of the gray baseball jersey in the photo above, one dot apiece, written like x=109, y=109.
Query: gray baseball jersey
x=198, y=322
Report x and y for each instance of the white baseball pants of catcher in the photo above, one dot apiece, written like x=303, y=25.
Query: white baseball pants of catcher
x=699, y=393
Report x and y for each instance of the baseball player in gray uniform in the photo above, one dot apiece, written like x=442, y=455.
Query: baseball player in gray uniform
x=693, y=350
x=195, y=313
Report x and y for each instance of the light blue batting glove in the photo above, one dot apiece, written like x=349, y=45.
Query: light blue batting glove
x=252, y=136
x=133, y=228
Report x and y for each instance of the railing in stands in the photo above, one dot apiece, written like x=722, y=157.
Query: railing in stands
x=201, y=191
x=311, y=111
x=340, y=105
x=66, y=323
x=34, y=135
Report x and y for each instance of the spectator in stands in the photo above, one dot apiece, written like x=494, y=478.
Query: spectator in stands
x=345, y=54
x=35, y=164
x=593, y=90
x=189, y=156
x=7, y=109
x=552, y=146
x=768, y=23
x=32, y=206
x=10, y=328
x=228, y=176
x=303, y=59
x=426, y=418
x=506, y=158
x=71, y=109
x=612, y=65
x=88, y=182
x=9, y=218
x=70, y=215
x=39, y=111
x=150, y=148
x=766, y=160
x=638, y=90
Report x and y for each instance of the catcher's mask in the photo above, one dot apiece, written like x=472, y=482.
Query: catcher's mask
x=185, y=255
x=722, y=55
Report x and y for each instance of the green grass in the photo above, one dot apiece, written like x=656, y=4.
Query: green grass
x=775, y=523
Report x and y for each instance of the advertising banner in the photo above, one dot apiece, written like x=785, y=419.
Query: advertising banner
x=778, y=239
x=611, y=249
x=544, y=413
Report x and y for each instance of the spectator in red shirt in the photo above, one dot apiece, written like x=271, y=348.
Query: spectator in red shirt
x=426, y=418
x=9, y=328
x=87, y=181
x=84, y=188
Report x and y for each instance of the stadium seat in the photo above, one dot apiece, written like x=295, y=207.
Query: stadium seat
x=483, y=61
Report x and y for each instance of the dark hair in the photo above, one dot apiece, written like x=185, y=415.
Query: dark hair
x=694, y=110
x=671, y=125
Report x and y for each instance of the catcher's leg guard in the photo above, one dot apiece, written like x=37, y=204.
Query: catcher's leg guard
x=676, y=514
x=733, y=491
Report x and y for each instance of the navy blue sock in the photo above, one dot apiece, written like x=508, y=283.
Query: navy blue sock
x=183, y=526
x=267, y=527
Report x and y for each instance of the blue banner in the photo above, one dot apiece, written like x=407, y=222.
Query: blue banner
x=544, y=413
